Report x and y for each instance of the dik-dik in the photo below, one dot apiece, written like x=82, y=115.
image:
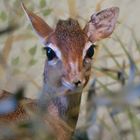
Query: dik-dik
x=69, y=51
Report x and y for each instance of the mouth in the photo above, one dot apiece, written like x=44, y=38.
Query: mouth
x=68, y=85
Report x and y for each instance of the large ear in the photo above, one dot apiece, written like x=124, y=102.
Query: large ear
x=39, y=25
x=102, y=24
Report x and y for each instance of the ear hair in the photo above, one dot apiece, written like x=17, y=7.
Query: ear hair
x=102, y=24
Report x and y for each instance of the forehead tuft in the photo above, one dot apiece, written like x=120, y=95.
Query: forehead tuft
x=70, y=24
x=69, y=34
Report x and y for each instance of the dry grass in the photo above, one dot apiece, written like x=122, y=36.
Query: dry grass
x=113, y=107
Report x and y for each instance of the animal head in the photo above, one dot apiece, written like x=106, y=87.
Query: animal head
x=69, y=48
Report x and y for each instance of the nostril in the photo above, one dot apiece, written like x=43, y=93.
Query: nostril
x=77, y=83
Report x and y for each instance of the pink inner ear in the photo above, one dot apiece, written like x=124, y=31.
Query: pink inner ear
x=39, y=25
x=102, y=24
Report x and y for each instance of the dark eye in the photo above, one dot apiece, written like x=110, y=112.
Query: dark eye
x=90, y=51
x=50, y=53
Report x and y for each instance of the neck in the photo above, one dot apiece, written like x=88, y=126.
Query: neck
x=61, y=102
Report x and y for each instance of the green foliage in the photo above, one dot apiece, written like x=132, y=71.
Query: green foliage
x=15, y=61
x=42, y=3
x=16, y=71
x=32, y=50
x=3, y=16
x=32, y=62
x=116, y=102
x=47, y=12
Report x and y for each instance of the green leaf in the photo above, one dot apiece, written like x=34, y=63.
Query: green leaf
x=16, y=71
x=3, y=16
x=32, y=50
x=42, y=3
x=32, y=62
x=15, y=61
x=47, y=12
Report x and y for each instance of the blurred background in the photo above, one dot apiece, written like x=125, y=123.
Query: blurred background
x=22, y=56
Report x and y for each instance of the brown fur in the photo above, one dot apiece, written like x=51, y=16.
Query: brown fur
x=20, y=113
x=57, y=126
x=70, y=39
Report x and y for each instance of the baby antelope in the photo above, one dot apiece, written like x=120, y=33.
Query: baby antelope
x=69, y=52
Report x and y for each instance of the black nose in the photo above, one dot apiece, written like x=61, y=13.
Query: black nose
x=77, y=83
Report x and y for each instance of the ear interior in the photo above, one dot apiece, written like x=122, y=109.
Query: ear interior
x=38, y=24
x=102, y=24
